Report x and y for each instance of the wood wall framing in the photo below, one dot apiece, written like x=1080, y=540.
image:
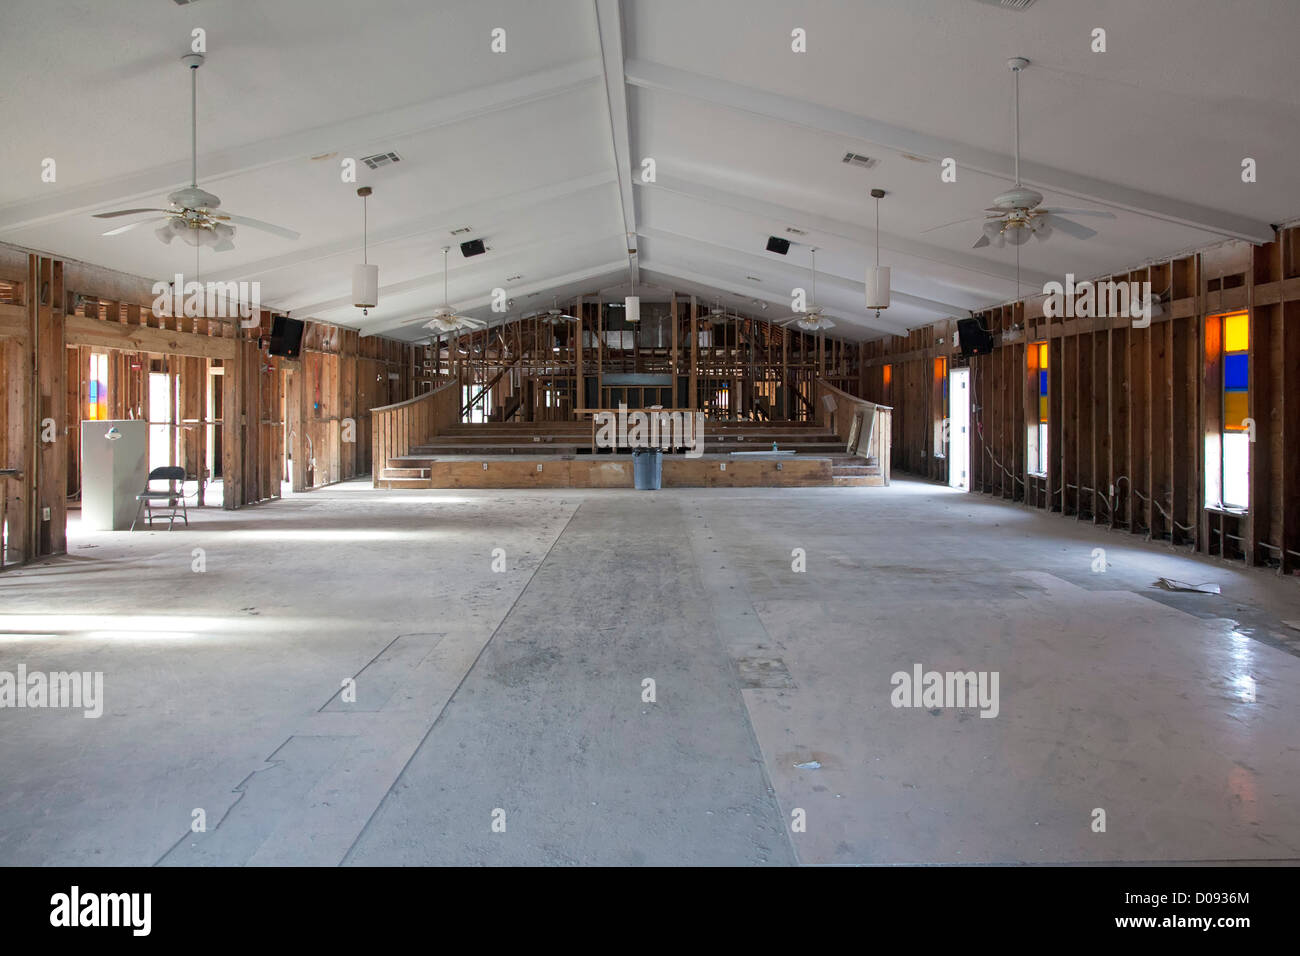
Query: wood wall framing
x=234, y=412
x=1134, y=413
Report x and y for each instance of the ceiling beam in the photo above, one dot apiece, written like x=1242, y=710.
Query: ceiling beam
x=655, y=76
x=543, y=285
x=609, y=22
x=361, y=131
x=779, y=215
x=684, y=273
x=797, y=273
x=440, y=222
x=573, y=244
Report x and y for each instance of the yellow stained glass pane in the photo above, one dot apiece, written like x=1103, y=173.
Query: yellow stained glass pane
x=1236, y=332
x=1236, y=407
x=1042, y=355
x=1042, y=408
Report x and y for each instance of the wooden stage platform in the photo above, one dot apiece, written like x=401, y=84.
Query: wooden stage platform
x=561, y=455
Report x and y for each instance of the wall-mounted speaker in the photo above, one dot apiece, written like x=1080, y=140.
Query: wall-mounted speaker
x=973, y=338
x=778, y=245
x=474, y=247
x=286, y=336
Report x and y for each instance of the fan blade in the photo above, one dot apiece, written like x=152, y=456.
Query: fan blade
x=264, y=226
x=125, y=212
x=225, y=245
x=127, y=228
x=981, y=242
x=955, y=222
x=1077, y=230
x=1077, y=212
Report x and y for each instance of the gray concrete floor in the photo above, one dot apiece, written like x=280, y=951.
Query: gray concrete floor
x=499, y=715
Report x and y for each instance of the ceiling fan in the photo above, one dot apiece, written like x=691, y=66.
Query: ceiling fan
x=445, y=318
x=1015, y=214
x=192, y=214
x=810, y=319
x=718, y=315
x=553, y=316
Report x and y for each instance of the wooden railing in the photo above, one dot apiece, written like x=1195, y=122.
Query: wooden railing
x=839, y=410
x=396, y=429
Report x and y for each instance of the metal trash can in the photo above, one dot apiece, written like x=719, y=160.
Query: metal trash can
x=647, y=468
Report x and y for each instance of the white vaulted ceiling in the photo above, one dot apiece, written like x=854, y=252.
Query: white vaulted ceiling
x=538, y=150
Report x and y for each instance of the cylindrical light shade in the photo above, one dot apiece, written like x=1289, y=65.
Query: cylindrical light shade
x=365, y=286
x=632, y=308
x=878, y=287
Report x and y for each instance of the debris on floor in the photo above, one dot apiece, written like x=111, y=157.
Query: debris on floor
x=810, y=765
x=1169, y=584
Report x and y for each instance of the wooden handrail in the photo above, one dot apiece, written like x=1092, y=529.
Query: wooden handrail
x=412, y=401
x=878, y=437
x=495, y=378
x=840, y=393
x=396, y=429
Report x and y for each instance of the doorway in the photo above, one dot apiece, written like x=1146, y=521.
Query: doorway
x=959, y=428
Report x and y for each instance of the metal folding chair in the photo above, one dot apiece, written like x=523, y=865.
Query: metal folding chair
x=174, y=497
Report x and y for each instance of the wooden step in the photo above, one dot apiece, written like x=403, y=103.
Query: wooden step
x=858, y=481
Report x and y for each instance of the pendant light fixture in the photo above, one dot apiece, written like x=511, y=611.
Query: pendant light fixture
x=878, y=276
x=632, y=304
x=365, y=277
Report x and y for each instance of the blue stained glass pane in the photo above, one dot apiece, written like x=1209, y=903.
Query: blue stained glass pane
x=1236, y=372
x=1042, y=382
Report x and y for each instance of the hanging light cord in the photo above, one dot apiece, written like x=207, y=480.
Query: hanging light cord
x=365, y=229
x=194, y=126
x=877, y=233
x=813, y=304
x=1017, y=73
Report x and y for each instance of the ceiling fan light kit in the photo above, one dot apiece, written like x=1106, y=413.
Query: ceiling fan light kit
x=217, y=235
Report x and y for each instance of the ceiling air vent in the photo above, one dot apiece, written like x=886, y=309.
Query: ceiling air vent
x=796, y=232
x=380, y=160
x=462, y=230
x=1008, y=4
x=857, y=159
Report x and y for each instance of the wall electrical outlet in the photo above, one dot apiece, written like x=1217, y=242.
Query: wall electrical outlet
x=45, y=514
